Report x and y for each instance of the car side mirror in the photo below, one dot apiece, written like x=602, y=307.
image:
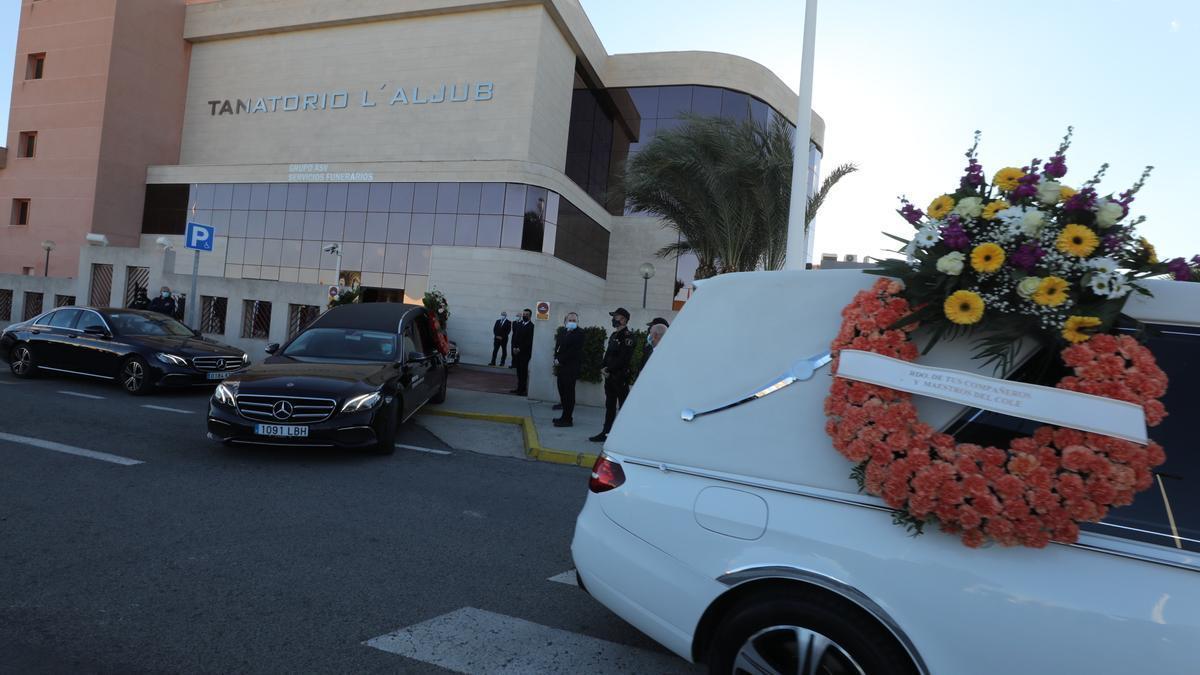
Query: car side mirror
x=417, y=357
x=272, y=348
x=98, y=331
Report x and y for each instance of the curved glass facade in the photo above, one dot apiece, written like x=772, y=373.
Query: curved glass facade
x=277, y=230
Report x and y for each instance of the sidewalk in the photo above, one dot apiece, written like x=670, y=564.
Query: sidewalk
x=571, y=442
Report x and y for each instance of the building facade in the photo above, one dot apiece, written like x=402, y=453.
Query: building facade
x=472, y=146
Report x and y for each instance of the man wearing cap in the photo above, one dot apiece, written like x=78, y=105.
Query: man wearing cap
x=616, y=370
x=654, y=332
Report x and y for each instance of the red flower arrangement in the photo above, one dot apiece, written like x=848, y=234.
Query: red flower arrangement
x=439, y=336
x=1038, y=489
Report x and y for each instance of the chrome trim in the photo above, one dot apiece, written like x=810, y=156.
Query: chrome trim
x=800, y=371
x=311, y=411
x=209, y=363
x=739, y=576
x=76, y=372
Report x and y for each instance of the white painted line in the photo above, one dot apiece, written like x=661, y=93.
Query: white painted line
x=75, y=393
x=420, y=449
x=6, y=382
x=470, y=640
x=162, y=407
x=567, y=578
x=69, y=449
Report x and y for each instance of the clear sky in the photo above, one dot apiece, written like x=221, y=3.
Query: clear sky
x=902, y=86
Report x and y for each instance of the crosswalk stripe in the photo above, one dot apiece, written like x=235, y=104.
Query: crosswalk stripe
x=567, y=578
x=68, y=449
x=471, y=640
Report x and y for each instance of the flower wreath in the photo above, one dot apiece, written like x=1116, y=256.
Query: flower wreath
x=439, y=336
x=1038, y=489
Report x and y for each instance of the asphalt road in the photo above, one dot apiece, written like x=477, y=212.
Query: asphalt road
x=211, y=559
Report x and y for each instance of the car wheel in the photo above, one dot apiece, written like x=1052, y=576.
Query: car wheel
x=440, y=396
x=386, y=444
x=774, y=633
x=135, y=376
x=21, y=361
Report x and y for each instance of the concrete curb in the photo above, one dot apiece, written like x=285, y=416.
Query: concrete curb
x=533, y=446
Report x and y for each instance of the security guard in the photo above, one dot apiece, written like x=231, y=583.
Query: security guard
x=616, y=370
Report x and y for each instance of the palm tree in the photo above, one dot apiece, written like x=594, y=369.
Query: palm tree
x=725, y=187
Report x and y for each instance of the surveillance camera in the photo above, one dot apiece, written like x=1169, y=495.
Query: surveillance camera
x=97, y=239
x=332, y=248
x=163, y=242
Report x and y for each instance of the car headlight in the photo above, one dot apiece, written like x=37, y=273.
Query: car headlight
x=226, y=394
x=362, y=402
x=171, y=359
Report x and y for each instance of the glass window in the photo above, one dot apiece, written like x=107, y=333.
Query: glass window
x=706, y=101
x=64, y=318
x=272, y=249
x=425, y=197
x=223, y=196
x=552, y=207
x=514, y=227
x=412, y=341
x=335, y=226
x=310, y=254
x=377, y=227
x=212, y=314
x=447, y=199
x=297, y=196
x=469, y=195
x=293, y=225
x=489, y=231
x=759, y=112
x=379, y=197
x=514, y=200
x=674, y=101
x=204, y=196
x=373, y=255
x=90, y=320
x=335, y=197
x=352, y=255
x=492, y=199
x=466, y=229
x=398, y=228
x=356, y=196
x=317, y=193
x=241, y=196
x=443, y=229
x=418, y=259
x=258, y=196
x=291, y=254
x=735, y=106
x=237, y=224
x=532, y=231
x=402, y=198
x=646, y=100
x=422, y=229
x=395, y=258
x=277, y=197
x=645, y=133
x=256, y=319
x=314, y=225
x=274, y=223
x=356, y=226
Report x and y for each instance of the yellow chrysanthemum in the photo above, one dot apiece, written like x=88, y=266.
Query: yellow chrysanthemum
x=990, y=211
x=1075, y=325
x=939, y=207
x=1065, y=193
x=1051, y=292
x=1151, y=254
x=1007, y=178
x=1077, y=240
x=987, y=257
x=964, y=307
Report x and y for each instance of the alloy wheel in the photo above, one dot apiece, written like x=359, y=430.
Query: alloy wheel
x=22, y=361
x=132, y=375
x=793, y=649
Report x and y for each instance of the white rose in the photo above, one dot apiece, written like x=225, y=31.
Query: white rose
x=1032, y=223
x=1108, y=213
x=1048, y=191
x=970, y=207
x=951, y=263
x=1028, y=286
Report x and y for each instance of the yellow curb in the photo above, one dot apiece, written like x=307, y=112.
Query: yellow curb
x=533, y=446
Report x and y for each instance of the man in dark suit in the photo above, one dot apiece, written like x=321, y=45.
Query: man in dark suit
x=568, y=356
x=500, y=331
x=522, y=348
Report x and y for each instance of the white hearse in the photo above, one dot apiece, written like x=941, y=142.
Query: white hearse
x=738, y=539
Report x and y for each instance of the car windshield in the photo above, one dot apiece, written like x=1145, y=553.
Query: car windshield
x=343, y=344
x=129, y=323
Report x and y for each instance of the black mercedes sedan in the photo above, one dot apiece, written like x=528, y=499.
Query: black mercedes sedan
x=139, y=349
x=349, y=380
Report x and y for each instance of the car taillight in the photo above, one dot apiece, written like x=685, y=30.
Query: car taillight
x=606, y=475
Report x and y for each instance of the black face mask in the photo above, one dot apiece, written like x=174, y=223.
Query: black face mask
x=616, y=322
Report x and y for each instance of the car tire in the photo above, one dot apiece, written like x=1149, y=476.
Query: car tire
x=776, y=630
x=386, y=443
x=134, y=376
x=440, y=396
x=21, y=361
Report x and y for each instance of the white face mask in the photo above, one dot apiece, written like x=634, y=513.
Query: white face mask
x=166, y=294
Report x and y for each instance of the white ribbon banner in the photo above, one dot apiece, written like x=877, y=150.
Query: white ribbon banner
x=1059, y=407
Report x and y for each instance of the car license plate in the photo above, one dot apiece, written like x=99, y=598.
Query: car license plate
x=286, y=430
x=218, y=376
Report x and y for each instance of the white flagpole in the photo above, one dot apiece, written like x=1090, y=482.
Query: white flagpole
x=797, y=241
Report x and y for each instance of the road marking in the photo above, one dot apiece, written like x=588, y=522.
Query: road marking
x=75, y=393
x=567, y=578
x=163, y=407
x=69, y=449
x=471, y=640
x=420, y=449
x=6, y=382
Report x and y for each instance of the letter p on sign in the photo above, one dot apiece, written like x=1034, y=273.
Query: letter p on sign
x=199, y=237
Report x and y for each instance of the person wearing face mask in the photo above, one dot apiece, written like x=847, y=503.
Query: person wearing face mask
x=164, y=303
x=500, y=331
x=654, y=333
x=616, y=370
x=568, y=356
x=522, y=348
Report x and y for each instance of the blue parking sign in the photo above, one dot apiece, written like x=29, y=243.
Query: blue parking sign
x=200, y=237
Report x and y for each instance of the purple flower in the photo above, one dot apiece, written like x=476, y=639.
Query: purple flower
x=911, y=213
x=1027, y=257
x=1027, y=188
x=1084, y=200
x=1111, y=243
x=954, y=236
x=1180, y=269
x=1056, y=167
x=974, y=175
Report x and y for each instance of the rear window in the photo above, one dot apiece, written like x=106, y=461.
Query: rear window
x=1168, y=512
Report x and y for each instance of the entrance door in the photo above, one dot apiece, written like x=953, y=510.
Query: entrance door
x=370, y=294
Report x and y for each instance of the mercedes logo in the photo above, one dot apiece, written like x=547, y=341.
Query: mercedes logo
x=220, y=364
x=282, y=410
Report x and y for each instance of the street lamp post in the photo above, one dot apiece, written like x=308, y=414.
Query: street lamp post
x=798, y=234
x=47, y=246
x=647, y=271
